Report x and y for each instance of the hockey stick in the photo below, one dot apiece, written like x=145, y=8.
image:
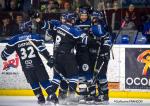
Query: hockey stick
x=94, y=79
x=107, y=25
x=98, y=52
x=137, y=34
x=55, y=69
x=115, y=39
x=62, y=76
x=98, y=71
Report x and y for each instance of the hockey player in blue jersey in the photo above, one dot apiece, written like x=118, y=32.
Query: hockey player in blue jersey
x=31, y=62
x=84, y=21
x=50, y=27
x=99, y=49
x=67, y=37
x=82, y=55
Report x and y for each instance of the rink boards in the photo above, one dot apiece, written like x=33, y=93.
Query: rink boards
x=124, y=73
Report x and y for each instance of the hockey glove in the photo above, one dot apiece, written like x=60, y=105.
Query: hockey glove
x=50, y=62
x=3, y=56
x=105, y=56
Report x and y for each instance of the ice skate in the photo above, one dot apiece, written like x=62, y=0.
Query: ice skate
x=52, y=100
x=82, y=99
x=41, y=100
x=62, y=98
x=72, y=99
x=102, y=99
x=89, y=100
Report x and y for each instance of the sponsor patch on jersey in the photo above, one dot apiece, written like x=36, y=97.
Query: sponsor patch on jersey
x=85, y=67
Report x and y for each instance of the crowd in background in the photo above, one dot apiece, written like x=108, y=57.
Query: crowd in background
x=14, y=12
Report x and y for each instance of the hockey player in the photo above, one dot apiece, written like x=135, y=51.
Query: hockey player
x=67, y=37
x=84, y=21
x=82, y=55
x=99, y=49
x=31, y=62
x=50, y=27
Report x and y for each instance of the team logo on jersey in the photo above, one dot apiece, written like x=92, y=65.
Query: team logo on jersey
x=85, y=67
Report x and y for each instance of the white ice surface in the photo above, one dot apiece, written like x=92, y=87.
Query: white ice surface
x=32, y=101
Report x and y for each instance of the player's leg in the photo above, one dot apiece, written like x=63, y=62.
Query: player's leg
x=34, y=83
x=50, y=87
x=38, y=92
x=72, y=71
x=91, y=86
x=85, y=75
x=63, y=88
x=102, y=83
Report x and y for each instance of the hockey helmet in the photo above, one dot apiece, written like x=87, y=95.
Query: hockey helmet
x=69, y=17
x=26, y=26
x=97, y=15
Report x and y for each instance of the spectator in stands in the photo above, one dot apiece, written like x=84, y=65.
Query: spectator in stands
x=100, y=6
x=13, y=5
x=116, y=16
x=130, y=17
x=61, y=3
x=5, y=27
x=52, y=7
x=146, y=31
x=66, y=7
x=16, y=25
x=79, y=3
x=108, y=6
x=2, y=3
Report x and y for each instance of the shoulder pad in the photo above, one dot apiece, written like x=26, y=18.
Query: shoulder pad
x=98, y=31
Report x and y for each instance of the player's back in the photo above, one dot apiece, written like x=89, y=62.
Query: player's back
x=29, y=56
x=66, y=38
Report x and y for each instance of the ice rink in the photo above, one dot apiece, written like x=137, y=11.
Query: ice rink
x=31, y=101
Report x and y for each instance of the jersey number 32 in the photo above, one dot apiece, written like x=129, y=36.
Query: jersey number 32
x=27, y=53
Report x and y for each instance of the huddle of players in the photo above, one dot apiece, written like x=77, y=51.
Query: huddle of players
x=81, y=54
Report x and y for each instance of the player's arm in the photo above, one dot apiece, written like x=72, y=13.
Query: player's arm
x=43, y=51
x=80, y=36
x=9, y=49
x=50, y=27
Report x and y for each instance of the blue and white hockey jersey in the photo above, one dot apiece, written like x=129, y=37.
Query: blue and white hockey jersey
x=27, y=53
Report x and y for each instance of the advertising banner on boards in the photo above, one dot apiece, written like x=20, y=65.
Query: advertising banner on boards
x=137, y=68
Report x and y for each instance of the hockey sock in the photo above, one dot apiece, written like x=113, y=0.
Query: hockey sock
x=37, y=91
x=103, y=86
x=63, y=85
x=73, y=84
x=47, y=86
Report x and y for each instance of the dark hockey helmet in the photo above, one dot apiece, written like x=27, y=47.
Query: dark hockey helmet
x=26, y=26
x=70, y=17
x=62, y=18
x=83, y=11
x=83, y=14
x=34, y=13
x=97, y=16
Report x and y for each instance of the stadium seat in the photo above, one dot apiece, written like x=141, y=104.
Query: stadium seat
x=125, y=39
x=141, y=40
